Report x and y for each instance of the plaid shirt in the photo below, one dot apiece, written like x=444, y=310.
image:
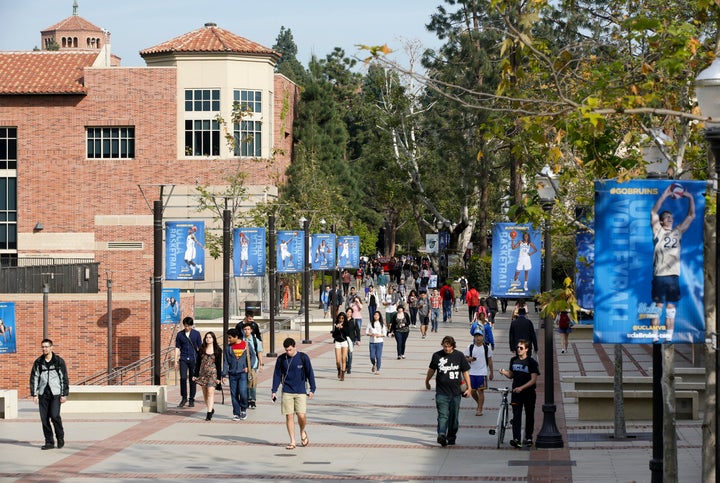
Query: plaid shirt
x=435, y=301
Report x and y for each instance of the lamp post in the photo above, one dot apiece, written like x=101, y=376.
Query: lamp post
x=549, y=436
x=306, y=277
x=442, y=250
x=707, y=90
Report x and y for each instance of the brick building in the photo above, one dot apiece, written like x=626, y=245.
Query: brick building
x=87, y=145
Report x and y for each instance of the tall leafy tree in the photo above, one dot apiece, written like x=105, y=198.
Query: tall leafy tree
x=288, y=65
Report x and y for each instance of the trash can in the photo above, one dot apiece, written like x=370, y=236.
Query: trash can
x=253, y=307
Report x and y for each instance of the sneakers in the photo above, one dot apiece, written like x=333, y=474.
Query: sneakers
x=528, y=442
x=515, y=443
x=191, y=404
x=442, y=440
x=47, y=446
x=403, y=356
x=243, y=415
x=562, y=351
x=236, y=417
x=252, y=405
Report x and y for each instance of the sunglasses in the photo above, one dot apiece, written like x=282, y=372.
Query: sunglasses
x=521, y=347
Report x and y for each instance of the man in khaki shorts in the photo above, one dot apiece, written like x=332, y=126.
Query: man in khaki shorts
x=293, y=371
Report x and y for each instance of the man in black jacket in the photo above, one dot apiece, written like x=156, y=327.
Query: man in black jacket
x=522, y=329
x=49, y=388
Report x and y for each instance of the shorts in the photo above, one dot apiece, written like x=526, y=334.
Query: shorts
x=666, y=288
x=424, y=320
x=294, y=403
x=340, y=345
x=479, y=382
x=565, y=331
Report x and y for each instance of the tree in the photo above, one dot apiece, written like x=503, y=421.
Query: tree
x=288, y=65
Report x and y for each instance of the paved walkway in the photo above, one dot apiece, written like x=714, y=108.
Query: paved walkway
x=367, y=428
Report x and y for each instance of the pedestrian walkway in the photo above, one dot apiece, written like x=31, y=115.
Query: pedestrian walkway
x=367, y=428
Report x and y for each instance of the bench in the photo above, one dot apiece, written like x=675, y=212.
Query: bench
x=8, y=404
x=582, y=331
x=116, y=399
x=599, y=405
x=691, y=374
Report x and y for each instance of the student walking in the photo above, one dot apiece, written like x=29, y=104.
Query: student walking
x=293, y=373
x=208, y=370
x=524, y=371
x=187, y=344
x=236, y=364
x=49, y=388
x=377, y=332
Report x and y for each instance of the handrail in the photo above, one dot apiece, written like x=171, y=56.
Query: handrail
x=139, y=372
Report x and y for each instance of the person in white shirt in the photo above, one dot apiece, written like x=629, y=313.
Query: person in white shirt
x=479, y=355
x=376, y=331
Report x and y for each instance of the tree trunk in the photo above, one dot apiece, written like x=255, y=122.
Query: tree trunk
x=670, y=462
x=620, y=429
x=709, y=437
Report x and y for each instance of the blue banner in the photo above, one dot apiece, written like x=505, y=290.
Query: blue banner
x=8, y=338
x=249, y=252
x=516, y=260
x=348, y=252
x=322, y=251
x=170, y=312
x=290, y=256
x=184, y=250
x=649, y=263
x=585, y=268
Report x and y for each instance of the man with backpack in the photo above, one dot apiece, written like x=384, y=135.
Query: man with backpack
x=448, y=297
x=479, y=355
x=564, y=324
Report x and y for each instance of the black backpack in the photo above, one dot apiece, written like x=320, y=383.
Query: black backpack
x=485, y=345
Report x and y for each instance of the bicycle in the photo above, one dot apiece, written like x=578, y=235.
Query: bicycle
x=503, y=420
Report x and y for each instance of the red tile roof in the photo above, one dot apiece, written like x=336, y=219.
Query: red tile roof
x=44, y=72
x=209, y=39
x=74, y=22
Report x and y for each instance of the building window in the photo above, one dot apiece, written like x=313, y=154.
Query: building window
x=207, y=100
x=248, y=100
x=111, y=142
x=248, y=139
x=202, y=137
x=8, y=148
x=8, y=213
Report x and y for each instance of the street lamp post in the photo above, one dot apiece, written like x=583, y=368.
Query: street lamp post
x=549, y=435
x=707, y=90
x=306, y=277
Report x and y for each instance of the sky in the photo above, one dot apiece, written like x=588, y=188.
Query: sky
x=318, y=26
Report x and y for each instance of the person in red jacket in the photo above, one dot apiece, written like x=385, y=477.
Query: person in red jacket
x=472, y=299
x=448, y=298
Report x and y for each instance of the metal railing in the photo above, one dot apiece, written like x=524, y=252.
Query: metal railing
x=61, y=275
x=138, y=373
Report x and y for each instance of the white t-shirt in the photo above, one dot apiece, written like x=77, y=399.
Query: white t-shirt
x=478, y=367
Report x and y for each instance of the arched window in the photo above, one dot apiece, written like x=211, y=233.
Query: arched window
x=64, y=42
x=75, y=42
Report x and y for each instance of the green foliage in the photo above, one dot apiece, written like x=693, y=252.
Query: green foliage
x=478, y=273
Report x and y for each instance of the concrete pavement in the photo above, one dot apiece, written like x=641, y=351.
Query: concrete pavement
x=367, y=428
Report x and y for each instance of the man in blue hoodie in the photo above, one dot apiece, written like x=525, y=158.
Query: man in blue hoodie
x=235, y=371
x=293, y=371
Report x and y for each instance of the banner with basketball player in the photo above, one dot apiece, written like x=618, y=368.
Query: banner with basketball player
x=249, y=252
x=649, y=265
x=289, y=250
x=322, y=251
x=8, y=340
x=516, y=260
x=184, y=250
x=348, y=251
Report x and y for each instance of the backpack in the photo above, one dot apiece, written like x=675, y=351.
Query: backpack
x=447, y=295
x=485, y=345
x=564, y=321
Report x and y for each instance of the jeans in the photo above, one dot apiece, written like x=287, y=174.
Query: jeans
x=358, y=323
x=435, y=319
x=401, y=339
x=187, y=367
x=413, y=315
x=376, y=349
x=524, y=400
x=50, y=413
x=371, y=310
x=448, y=409
x=239, y=392
x=447, y=310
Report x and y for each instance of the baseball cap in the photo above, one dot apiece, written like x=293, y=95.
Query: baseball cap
x=479, y=331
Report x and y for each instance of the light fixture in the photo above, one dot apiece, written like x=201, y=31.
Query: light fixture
x=38, y=226
x=302, y=222
x=546, y=183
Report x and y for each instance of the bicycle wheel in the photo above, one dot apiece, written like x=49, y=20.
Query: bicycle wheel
x=501, y=423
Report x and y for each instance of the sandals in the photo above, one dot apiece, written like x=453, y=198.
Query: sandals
x=304, y=441
x=290, y=446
